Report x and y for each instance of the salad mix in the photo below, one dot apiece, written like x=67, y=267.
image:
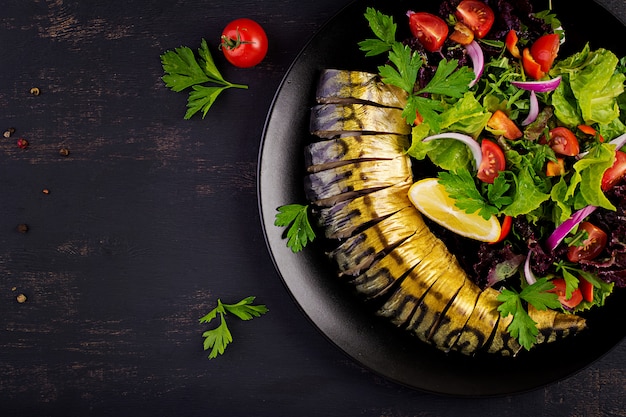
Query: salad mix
x=514, y=130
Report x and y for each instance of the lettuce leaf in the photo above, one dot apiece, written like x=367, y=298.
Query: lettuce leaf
x=528, y=196
x=590, y=88
x=467, y=116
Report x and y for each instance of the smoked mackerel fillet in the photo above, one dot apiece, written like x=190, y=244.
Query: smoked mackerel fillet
x=357, y=182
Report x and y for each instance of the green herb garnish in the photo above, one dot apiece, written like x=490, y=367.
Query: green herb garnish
x=300, y=232
x=183, y=69
x=449, y=80
x=218, y=338
x=523, y=327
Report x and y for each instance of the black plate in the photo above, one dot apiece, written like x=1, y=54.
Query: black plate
x=311, y=279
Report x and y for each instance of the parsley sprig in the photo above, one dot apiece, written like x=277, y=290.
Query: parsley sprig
x=461, y=187
x=299, y=232
x=523, y=327
x=405, y=64
x=184, y=69
x=218, y=338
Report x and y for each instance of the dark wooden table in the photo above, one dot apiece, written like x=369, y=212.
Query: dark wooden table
x=151, y=218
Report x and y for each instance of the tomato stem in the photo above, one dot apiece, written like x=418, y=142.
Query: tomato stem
x=230, y=43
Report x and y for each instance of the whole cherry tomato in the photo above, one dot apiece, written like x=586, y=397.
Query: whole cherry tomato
x=244, y=43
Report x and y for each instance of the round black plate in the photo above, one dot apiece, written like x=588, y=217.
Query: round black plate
x=310, y=277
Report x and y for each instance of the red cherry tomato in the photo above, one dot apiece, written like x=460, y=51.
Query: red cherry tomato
x=559, y=290
x=614, y=174
x=501, y=123
x=244, y=43
x=545, y=49
x=429, y=29
x=531, y=67
x=563, y=141
x=555, y=168
x=493, y=161
x=586, y=289
x=505, y=228
x=511, y=43
x=476, y=15
x=590, y=131
x=591, y=247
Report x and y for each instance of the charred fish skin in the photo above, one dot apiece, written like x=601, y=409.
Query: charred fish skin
x=331, y=120
x=325, y=154
x=326, y=187
x=357, y=182
x=457, y=313
x=415, y=284
x=341, y=220
x=341, y=86
x=481, y=324
x=359, y=251
x=391, y=269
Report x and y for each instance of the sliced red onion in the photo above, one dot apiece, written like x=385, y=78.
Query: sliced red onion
x=475, y=52
x=528, y=273
x=466, y=139
x=564, y=228
x=619, y=141
x=533, y=111
x=538, y=86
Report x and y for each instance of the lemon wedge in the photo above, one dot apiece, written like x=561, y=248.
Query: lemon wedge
x=432, y=200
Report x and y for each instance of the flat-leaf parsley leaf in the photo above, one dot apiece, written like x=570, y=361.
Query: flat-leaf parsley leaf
x=300, y=232
x=183, y=69
x=523, y=327
x=218, y=338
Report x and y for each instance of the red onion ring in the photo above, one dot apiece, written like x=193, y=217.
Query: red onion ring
x=478, y=60
x=538, y=86
x=564, y=228
x=528, y=273
x=466, y=139
x=533, y=111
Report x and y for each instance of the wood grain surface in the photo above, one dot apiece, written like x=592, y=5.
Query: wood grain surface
x=135, y=234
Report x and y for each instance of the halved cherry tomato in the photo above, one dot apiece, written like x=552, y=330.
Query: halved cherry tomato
x=555, y=168
x=505, y=228
x=590, y=131
x=477, y=15
x=559, y=290
x=429, y=29
x=616, y=173
x=511, y=43
x=493, y=161
x=501, y=123
x=244, y=43
x=462, y=34
x=545, y=49
x=563, y=141
x=532, y=67
x=586, y=289
x=591, y=246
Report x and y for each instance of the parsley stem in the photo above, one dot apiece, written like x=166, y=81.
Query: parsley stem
x=245, y=87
